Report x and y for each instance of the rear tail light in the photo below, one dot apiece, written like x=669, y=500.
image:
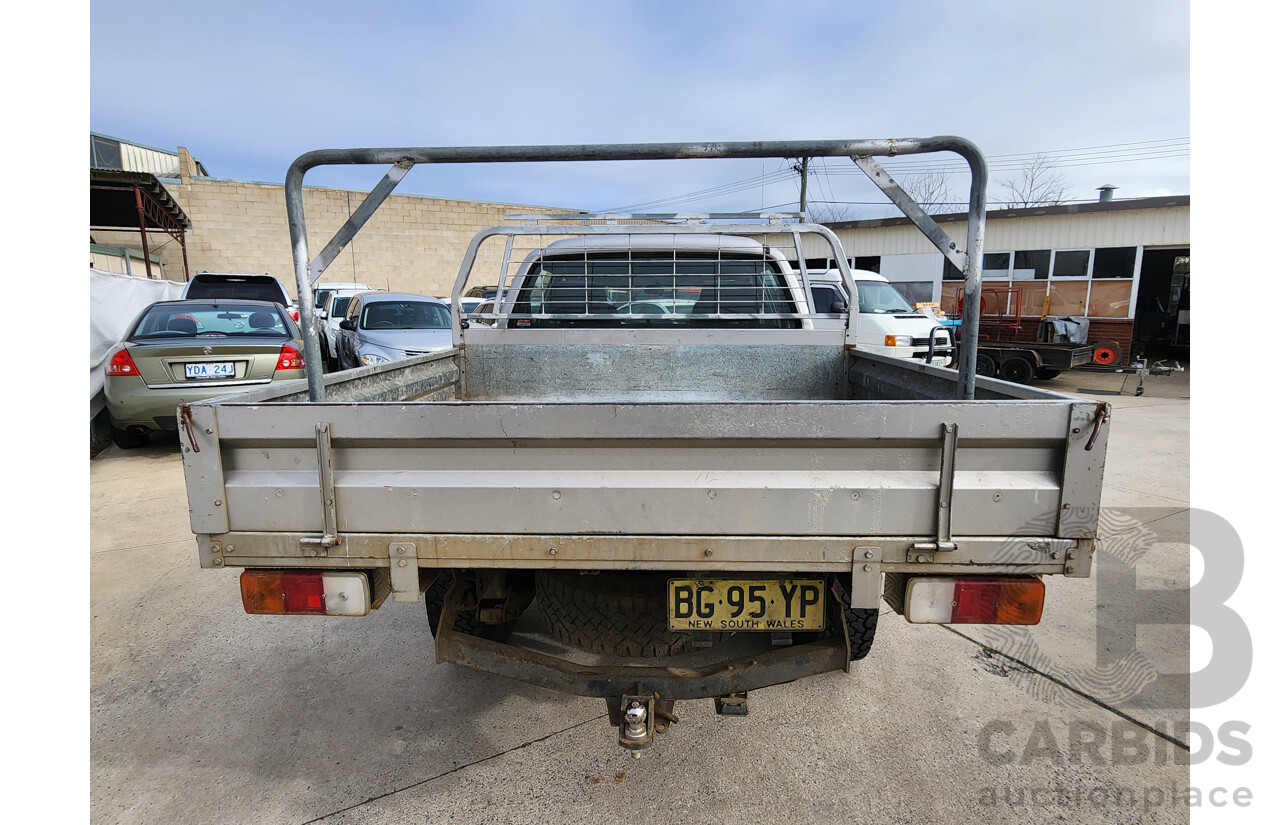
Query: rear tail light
x=290, y=359
x=293, y=313
x=122, y=364
x=974, y=600
x=296, y=592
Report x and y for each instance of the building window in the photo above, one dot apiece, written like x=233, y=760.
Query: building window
x=104, y=153
x=1109, y=299
x=995, y=266
x=813, y=264
x=1114, y=261
x=869, y=263
x=1031, y=265
x=1096, y=282
x=1068, y=297
x=1071, y=263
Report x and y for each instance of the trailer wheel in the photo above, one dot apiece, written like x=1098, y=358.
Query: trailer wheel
x=466, y=622
x=624, y=614
x=986, y=365
x=1017, y=370
x=1106, y=353
x=1046, y=373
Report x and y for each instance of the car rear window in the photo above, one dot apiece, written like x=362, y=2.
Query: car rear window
x=250, y=288
x=196, y=319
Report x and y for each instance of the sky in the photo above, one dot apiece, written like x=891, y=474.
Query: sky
x=1101, y=88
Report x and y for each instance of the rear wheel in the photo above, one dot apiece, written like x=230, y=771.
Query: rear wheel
x=986, y=365
x=624, y=614
x=129, y=439
x=99, y=432
x=466, y=621
x=861, y=623
x=1017, y=370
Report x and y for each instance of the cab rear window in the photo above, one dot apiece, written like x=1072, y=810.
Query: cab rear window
x=657, y=290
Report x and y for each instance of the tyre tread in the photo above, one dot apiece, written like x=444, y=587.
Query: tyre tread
x=610, y=613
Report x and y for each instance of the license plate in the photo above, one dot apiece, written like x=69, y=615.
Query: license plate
x=746, y=604
x=217, y=369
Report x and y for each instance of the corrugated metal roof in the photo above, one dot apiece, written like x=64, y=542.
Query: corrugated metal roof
x=1030, y=212
x=1139, y=222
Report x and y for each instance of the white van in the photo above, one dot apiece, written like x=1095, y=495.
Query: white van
x=887, y=324
x=320, y=293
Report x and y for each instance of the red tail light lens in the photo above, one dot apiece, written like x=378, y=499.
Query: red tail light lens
x=293, y=313
x=303, y=593
x=290, y=359
x=279, y=591
x=122, y=364
x=975, y=600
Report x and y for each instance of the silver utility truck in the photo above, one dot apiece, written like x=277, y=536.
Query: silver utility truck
x=650, y=472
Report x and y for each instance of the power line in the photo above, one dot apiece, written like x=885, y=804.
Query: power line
x=1104, y=154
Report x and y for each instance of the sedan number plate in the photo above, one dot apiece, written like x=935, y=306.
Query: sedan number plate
x=746, y=604
x=217, y=369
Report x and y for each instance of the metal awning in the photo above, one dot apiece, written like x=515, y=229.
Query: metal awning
x=136, y=201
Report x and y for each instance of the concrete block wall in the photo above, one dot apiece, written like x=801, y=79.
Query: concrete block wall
x=411, y=244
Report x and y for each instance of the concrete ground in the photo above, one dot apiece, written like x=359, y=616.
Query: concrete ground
x=202, y=714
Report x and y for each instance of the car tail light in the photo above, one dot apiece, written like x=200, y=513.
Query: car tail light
x=293, y=313
x=290, y=359
x=122, y=364
x=296, y=592
x=974, y=600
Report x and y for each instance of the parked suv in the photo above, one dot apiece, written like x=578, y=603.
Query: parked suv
x=237, y=286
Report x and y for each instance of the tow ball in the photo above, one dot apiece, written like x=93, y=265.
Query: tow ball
x=639, y=717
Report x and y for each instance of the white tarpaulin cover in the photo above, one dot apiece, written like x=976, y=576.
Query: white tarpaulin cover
x=114, y=301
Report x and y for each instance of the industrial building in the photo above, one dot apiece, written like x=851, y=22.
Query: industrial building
x=1123, y=264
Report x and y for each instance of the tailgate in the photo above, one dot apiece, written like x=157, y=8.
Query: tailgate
x=838, y=468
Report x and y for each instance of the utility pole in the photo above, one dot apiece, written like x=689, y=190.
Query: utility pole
x=803, y=169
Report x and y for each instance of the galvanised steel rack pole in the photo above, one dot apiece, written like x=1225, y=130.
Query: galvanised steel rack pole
x=862, y=152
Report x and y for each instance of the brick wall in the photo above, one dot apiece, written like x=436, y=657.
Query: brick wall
x=411, y=244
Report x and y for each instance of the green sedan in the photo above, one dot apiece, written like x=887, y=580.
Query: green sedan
x=182, y=351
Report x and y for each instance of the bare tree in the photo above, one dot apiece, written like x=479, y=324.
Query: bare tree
x=932, y=190
x=831, y=212
x=1039, y=184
